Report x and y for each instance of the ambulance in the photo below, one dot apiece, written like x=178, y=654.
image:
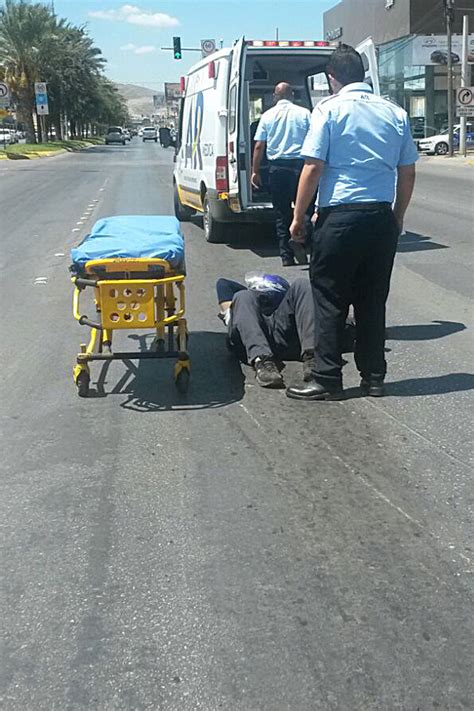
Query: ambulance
x=223, y=97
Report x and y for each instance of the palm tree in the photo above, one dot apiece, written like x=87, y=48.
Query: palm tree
x=24, y=30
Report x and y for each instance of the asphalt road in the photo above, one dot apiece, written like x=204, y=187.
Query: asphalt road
x=230, y=549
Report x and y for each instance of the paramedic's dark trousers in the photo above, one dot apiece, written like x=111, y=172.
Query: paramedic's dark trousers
x=286, y=333
x=351, y=262
x=283, y=180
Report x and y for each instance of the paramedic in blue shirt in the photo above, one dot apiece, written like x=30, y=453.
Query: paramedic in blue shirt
x=281, y=132
x=360, y=152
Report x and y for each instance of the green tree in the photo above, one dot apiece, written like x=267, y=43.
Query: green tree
x=24, y=30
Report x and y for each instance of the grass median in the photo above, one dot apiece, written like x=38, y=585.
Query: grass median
x=45, y=150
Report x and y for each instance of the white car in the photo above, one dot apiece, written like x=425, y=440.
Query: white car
x=6, y=136
x=439, y=144
x=149, y=134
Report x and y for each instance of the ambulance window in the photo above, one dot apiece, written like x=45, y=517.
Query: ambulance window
x=318, y=87
x=255, y=108
x=232, y=109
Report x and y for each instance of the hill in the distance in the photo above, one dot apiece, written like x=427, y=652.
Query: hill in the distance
x=139, y=98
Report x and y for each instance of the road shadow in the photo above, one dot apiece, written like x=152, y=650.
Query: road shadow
x=117, y=148
x=424, y=331
x=414, y=242
x=259, y=239
x=216, y=378
x=418, y=387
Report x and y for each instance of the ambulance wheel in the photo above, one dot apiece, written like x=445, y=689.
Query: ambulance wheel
x=182, y=381
x=214, y=231
x=82, y=382
x=441, y=148
x=182, y=212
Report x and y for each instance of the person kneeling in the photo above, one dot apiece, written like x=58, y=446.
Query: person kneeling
x=267, y=322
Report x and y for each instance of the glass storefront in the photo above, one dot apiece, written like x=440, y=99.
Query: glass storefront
x=420, y=89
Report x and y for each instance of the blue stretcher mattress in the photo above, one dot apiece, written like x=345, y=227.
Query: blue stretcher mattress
x=132, y=236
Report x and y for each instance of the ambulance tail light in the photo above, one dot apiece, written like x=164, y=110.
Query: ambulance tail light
x=296, y=43
x=222, y=182
x=182, y=84
x=211, y=70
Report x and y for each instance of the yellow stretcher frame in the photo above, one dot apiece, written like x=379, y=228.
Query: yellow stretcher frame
x=132, y=294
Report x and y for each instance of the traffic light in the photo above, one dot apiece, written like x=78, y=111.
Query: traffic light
x=177, y=53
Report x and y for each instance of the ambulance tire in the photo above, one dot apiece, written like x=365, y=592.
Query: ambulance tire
x=215, y=232
x=182, y=212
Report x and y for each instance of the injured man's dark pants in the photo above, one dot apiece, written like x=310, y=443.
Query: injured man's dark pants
x=285, y=334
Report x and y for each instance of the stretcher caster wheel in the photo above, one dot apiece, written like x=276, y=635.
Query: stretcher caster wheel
x=82, y=382
x=182, y=380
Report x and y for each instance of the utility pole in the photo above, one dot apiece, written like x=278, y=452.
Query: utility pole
x=464, y=82
x=449, y=12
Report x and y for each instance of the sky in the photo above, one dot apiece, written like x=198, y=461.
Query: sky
x=131, y=33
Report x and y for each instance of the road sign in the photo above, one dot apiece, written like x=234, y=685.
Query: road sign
x=4, y=95
x=40, y=87
x=208, y=46
x=465, y=101
x=42, y=109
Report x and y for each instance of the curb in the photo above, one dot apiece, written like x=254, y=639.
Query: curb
x=44, y=154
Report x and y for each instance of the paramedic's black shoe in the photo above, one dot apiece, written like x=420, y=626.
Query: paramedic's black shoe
x=299, y=250
x=287, y=262
x=312, y=390
x=308, y=365
x=266, y=372
x=372, y=385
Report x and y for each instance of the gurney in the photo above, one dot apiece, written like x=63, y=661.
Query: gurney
x=136, y=267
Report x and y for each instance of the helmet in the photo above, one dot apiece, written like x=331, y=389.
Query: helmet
x=271, y=289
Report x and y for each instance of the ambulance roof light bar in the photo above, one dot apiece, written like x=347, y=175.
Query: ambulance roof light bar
x=289, y=43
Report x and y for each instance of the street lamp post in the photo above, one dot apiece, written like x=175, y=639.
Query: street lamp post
x=449, y=12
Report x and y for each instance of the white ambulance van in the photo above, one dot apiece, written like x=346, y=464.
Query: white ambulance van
x=224, y=96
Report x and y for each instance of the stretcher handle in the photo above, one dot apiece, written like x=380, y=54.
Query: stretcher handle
x=81, y=282
x=84, y=321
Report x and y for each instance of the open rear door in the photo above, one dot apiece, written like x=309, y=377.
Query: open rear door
x=369, y=56
x=235, y=139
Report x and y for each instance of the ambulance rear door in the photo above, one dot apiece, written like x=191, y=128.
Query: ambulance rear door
x=235, y=139
x=369, y=56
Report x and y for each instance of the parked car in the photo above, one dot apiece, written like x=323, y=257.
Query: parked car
x=149, y=134
x=439, y=144
x=115, y=134
x=6, y=136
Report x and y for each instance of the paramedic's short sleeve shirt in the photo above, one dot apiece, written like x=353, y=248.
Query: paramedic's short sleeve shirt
x=362, y=138
x=283, y=128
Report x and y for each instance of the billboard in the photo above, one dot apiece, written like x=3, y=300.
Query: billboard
x=173, y=93
x=433, y=49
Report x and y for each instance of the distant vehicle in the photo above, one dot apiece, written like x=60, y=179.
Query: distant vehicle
x=127, y=134
x=440, y=57
x=115, y=134
x=440, y=144
x=149, y=134
x=6, y=136
x=225, y=93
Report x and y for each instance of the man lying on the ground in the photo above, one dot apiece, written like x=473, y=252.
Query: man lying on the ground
x=267, y=322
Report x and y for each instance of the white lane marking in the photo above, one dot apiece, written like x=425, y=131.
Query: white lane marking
x=59, y=254
x=75, y=229
x=91, y=205
x=41, y=280
x=80, y=222
x=254, y=419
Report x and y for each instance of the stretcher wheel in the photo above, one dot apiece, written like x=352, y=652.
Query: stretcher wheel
x=82, y=382
x=182, y=380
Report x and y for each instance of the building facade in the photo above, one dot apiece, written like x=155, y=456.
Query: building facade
x=410, y=36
